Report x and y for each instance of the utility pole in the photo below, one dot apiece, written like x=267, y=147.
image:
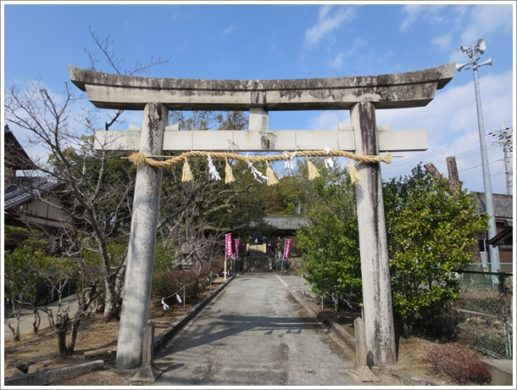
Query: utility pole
x=474, y=53
x=504, y=138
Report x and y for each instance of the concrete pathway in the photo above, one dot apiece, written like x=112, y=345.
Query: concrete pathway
x=254, y=333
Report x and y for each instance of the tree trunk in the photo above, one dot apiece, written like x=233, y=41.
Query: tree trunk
x=50, y=317
x=61, y=332
x=66, y=344
x=111, y=309
x=37, y=321
x=111, y=298
x=15, y=330
x=73, y=336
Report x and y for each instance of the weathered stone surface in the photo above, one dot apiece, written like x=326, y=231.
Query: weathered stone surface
x=360, y=342
x=258, y=119
x=102, y=353
x=53, y=375
x=375, y=274
x=410, y=89
x=283, y=140
x=360, y=94
x=137, y=285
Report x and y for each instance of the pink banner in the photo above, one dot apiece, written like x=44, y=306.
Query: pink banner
x=228, y=245
x=237, y=243
x=287, y=248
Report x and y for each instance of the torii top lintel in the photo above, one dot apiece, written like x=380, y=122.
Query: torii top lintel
x=397, y=90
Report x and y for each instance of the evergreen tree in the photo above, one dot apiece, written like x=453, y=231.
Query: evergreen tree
x=431, y=234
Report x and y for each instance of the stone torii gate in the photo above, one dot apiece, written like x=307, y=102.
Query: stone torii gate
x=361, y=95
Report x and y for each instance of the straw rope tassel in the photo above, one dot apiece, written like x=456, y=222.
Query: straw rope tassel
x=187, y=173
x=271, y=177
x=313, y=171
x=352, y=171
x=228, y=178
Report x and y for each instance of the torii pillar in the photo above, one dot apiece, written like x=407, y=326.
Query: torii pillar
x=142, y=239
x=373, y=245
x=361, y=95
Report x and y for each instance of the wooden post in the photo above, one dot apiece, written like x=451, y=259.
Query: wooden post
x=454, y=179
x=137, y=287
x=378, y=310
x=433, y=171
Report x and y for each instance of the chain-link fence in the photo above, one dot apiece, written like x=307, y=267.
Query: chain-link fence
x=485, y=311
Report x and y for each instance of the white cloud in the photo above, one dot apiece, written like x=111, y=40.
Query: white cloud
x=444, y=42
x=337, y=62
x=327, y=22
x=328, y=120
x=228, y=30
x=414, y=12
x=453, y=110
x=135, y=118
x=486, y=20
x=452, y=129
x=465, y=24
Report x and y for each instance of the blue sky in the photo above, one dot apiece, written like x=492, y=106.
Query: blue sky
x=264, y=41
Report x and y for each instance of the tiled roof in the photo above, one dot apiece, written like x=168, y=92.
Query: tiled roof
x=15, y=155
x=503, y=204
x=24, y=190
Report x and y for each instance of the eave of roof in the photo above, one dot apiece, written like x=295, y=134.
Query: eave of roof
x=22, y=195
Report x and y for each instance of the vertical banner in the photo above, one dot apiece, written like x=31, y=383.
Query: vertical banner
x=287, y=248
x=237, y=243
x=228, y=245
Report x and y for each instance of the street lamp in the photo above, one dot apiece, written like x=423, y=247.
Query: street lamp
x=474, y=53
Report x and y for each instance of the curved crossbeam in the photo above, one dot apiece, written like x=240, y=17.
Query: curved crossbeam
x=397, y=90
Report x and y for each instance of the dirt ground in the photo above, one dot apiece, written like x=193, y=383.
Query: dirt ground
x=40, y=351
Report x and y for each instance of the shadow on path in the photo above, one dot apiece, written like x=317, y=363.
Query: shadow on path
x=230, y=325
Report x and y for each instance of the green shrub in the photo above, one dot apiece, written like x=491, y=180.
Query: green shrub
x=431, y=232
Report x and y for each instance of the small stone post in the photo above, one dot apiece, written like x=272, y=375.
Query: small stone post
x=137, y=287
x=378, y=310
x=147, y=371
x=360, y=343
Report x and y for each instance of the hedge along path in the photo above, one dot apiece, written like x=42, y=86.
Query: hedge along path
x=139, y=159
